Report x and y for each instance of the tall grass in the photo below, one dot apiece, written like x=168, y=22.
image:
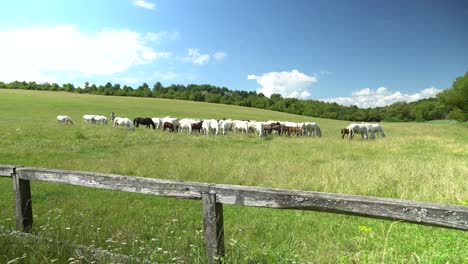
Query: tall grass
x=427, y=162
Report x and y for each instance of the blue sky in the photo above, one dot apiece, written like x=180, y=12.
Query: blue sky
x=368, y=53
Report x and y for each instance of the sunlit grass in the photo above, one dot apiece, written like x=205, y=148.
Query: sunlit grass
x=426, y=162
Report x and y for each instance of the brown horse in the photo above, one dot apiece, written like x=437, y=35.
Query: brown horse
x=344, y=132
x=297, y=130
x=197, y=126
x=169, y=126
x=277, y=127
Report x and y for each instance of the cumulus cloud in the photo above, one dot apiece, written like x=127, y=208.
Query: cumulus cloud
x=152, y=36
x=381, y=97
x=220, y=55
x=170, y=75
x=195, y=57
x=43, y=53
x=144, y=4
x=288, y=84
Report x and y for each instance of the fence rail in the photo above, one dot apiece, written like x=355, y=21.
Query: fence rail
x=213, y=196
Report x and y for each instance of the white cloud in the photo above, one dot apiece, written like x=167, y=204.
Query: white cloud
x=195, y=57
x=144, y=4
x=220, y=55
x=288, y=84
x=382, y=97
x=166, y=76
x=151, y=36
x=43, y=53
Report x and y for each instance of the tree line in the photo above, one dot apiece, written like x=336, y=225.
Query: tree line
x=451, y=103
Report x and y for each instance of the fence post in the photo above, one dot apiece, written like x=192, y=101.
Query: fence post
x=23, y=205
x=213, y=227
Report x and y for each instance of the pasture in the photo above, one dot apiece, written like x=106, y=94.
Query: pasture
x=424, y=162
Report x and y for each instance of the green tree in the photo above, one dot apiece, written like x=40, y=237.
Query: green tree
x=457, y=96
x=458, y=114
x=143, y=91
x=68, y=87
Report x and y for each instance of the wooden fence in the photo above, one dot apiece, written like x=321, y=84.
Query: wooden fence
x=213, y=197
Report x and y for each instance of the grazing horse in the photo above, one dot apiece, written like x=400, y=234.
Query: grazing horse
x=240, y=125
x=226, y=125
x=157, y=121
x=100, y=119
x=197, y=126
x=267, y=128
x=357, y=128
x=123, y=121
x=374, y=128
x=89, y=119
x=210, y=124
x=344, y=132
x=379, y=129
x=144, y=121
x=297, y=130
x=169, y=126
x=311, y=128
x=63, y=119
x=277, y=127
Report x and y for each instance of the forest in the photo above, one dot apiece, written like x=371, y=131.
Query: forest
x=451, y=103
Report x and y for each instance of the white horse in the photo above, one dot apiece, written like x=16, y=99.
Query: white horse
x=89, y=119
x=101, y=119
x=210, y=124
x=357, y=128
x=226, y=125
x=157, y=121
x=123, y=121
x=374, y=128
x=259, y=128
x=63, y=119
x=186, y=124
x=379, y=129
x=240, y=125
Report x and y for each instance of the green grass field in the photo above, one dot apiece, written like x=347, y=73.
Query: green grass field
x=424, y=162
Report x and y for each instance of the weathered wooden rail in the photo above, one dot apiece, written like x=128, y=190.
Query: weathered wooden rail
x=213, y=197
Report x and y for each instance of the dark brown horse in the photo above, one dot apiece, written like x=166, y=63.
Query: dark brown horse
x=169, y=126
x=344, y=132
x=197, y=126
x=277, y=127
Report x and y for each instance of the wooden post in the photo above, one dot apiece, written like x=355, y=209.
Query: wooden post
x=23, y=205
x=213, y=227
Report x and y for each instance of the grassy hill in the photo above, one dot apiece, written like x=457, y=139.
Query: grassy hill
x=426, y=162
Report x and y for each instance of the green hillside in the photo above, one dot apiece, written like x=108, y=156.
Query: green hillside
x=417, y=161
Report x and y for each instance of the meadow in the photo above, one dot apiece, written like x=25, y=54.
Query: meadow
x=416, y=161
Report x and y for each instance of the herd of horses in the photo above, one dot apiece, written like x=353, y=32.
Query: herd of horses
x=225, y=126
